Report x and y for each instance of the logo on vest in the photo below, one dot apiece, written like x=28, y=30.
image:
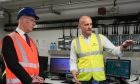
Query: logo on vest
x=94, y=44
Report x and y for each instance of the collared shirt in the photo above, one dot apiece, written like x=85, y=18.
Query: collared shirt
x=21, y=33
x=108, y=46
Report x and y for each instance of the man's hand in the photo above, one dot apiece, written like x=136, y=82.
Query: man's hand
x=37, y=79
x=74, y=73
x=127, y=43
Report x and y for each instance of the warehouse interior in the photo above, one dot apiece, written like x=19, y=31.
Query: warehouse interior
x=118, y=20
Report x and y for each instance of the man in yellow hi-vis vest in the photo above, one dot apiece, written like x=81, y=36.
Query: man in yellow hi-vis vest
x=86, y=55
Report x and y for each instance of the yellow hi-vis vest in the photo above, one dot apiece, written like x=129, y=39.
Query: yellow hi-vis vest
x=90, y=58
x=3, y=74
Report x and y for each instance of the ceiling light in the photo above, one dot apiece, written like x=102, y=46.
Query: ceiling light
x=4, y=0
x=1, y=14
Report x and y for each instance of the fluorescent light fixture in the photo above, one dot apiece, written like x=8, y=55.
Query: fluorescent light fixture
x=4, y=0
x=1, y=14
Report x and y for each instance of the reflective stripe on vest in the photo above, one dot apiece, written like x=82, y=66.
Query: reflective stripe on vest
x=21, y=49
x=3, y=74
x=99, y=42
x=30, y=65
x=89, y=53
x=14, y=80
x=91, y=70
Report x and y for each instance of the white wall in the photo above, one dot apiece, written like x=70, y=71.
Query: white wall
x=50, y=36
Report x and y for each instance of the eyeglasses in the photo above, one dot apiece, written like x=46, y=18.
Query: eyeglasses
x=30, y=19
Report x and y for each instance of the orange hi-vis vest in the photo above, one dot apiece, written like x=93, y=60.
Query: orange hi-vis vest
x=27, y=58
x=1, y=47
x=90, y=58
